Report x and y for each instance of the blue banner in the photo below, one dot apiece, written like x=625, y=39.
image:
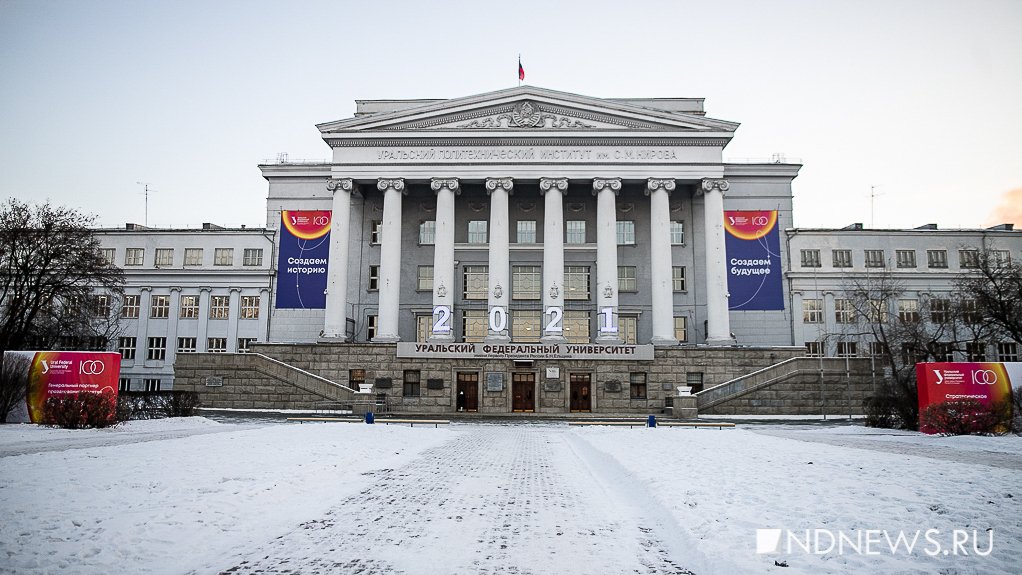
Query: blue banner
x=753, y=260
x=302, y=263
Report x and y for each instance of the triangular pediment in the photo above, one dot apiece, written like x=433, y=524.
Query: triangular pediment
x=528, y=109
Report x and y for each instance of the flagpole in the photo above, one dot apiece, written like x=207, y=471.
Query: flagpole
x=519, y=67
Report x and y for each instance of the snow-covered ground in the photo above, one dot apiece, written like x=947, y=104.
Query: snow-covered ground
x=195, y=496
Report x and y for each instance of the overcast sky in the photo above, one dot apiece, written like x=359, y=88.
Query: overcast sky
x=922, y=100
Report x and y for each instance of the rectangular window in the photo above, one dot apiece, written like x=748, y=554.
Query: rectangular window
x=216, y=344
x=942, y=351
x=156, y=348
x=626, y=233
x=356, y=378
x=810, y=258
x=109, y=255
x=374, y=278
x=814, y=349
x=134, y=256
x=473, y=325
x=477, y=232
x=905, y=258
x=189, y=307
x=637, y=385
x=252, y=257
x=626, y=278
x=970, y=312
x=999, y=258
x=164, y=257
x=575, y=232
x=812, y=311
x=576, y=326
x=842, y=258
x=219, y=306
x=423, y=328
x=424, y=278
x=411, y=383
x=843, y=311
x=126, y=347
x=152, y=384
x=527, y=231
x=936, y=258
x=576, y=282
x=427, y=233
x=223, y=256
x=878, y=310
x=681, y=328
x=376, y=232
x=124, y=384
x=695, y=381
x=975, y=351
x=525, y=326
x=628, y=328
x=477, y=280
x=526, y=282
x=187, y=345
x=678, y=278
x=371, y=327
x=101, y=305
x=875, y=258
x=130, y=306
x=249, y=307
x=847, y=348
x=193, y=256
x=908, y=310
x=1007, y=351
x=968, y=259
x=877, y=348
x=244, y=343
x=940, y=310
x=159, y=306
x=677, y=233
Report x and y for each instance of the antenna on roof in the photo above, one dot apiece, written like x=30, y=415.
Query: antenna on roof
x=145, y=222
x=872, y=198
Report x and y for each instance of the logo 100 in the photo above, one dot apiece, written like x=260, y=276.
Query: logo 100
x=984, y=377
x=92, y=367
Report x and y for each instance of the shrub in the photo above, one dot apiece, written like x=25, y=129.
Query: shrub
x=964, y=417
x=80, y=410
x=133, y=405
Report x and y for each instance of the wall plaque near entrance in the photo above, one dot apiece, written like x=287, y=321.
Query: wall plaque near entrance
x=494, y=381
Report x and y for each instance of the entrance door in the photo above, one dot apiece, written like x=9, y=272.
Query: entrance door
x=523, y=387
x=467, y=398
x=580, y=387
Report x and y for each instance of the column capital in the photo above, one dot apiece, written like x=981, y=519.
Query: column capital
x=612, y=184
x=710, y=184
x=342, y=184
x=493, y=184
x=654, y=184
x=396, y=184
x=547, y=184
x=445, y=183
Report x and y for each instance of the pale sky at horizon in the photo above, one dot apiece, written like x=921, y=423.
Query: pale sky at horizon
x=922, y=99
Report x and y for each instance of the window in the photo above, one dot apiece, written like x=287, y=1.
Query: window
x=576, y=282
x=189, y=307
x=812, y=311
x=576, y=326
x=186, y=345
x=842, y=258
x=626, y=278
x=626, y=233
x=678, y=278
x=942, y=351
x=126, y=347
x=975, y=351
x=681, y=328
x=936, y=258
x=875, y=258
x=473, y=325
x=219, y=306
x=216, y=344
x=970, y=312
x=152, y=384
x=124, y=384
x=525, y=326
x=877, y=348
x=843, y=311
x=628, y=328
x=999, y=258
x=374, y=278
x=940, y=310
x=223, y=257
x=908, y=310
x=159, y=306
x=244, y=343
x=879, y=311
x=1007, y=351
x=677, y=233
x=910, y=354
x=156, y=348
x=164, y=257
x=249, y=307
x=814, y=349
x=476, y=282
x=847, y=348
x=695, y=381
x=411, y=383
x=101, y=305
x=968, y=259
x=376, y=232
x=252, y=257
x=526, y=282
x=423, y=328
x=193, y=256
x=810, y=258
x=134, y=256
x=130, y=306
x=109, y=255
x=637, y=385
x=356, y=378
x=905, y=258
x=424, y=278
x=427, y=233
x=575, y=232
x=477, y=232
x=527, y=231
x=371, y=326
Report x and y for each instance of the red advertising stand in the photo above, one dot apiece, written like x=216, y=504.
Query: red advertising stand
x=986, y=382
x=53, y=373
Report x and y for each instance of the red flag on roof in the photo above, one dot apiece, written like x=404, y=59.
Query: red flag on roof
x=521, y=71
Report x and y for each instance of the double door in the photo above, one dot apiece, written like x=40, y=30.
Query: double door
x=580, y=387
x=523, y=392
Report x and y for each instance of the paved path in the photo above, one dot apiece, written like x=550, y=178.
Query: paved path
x=523, y=500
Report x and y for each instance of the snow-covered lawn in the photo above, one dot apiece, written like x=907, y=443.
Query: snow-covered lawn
x=195, y=496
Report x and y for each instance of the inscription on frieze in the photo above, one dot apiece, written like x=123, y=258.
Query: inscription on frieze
x=529, y=154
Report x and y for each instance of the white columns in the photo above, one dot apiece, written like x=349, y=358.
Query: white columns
x=336, y=316
x=718, y=331
x=661, y=285
x=443, y=260
x=553, y=258
x=390, y=260
x=606, y=191
x=500, y=259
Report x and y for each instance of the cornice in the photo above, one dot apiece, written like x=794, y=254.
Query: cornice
x=341, y=142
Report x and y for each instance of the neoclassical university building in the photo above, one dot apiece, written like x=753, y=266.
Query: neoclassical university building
x=524, y=250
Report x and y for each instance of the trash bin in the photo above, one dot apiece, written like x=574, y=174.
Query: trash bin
x=651, y=422
x=370, y=417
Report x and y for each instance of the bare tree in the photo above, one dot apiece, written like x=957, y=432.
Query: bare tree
x=995, y=285
x=13, y=383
